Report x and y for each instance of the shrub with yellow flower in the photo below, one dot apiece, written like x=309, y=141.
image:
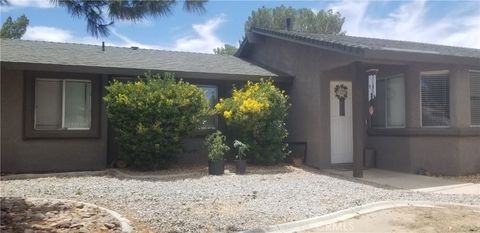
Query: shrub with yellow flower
x=258, y=111
x=152, y=116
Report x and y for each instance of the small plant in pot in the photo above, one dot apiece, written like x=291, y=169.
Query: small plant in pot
x=217, y=148
x=240, y=162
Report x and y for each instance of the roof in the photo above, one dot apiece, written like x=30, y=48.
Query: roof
x=358, y=45
x=39, y=52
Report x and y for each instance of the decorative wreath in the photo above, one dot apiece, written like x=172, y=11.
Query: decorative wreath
x=341, y=92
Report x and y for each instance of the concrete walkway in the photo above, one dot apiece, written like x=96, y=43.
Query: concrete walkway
x=413, y=182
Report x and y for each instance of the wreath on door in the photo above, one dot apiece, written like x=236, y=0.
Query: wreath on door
x=341, y=92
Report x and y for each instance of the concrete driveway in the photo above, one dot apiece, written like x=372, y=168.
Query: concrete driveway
x=412, y=182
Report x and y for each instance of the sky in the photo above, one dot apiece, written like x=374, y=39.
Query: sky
x=455, y=23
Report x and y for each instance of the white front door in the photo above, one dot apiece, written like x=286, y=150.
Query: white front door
x=341, y=122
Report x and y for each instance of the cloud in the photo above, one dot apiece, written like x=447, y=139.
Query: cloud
x=27, y=3
x=411, y=21
x=204, y=39
x=53, y=34
x=47, y=34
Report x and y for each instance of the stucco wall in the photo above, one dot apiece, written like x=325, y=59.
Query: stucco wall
x=309, y=116
x=435, y=150
x=41, y=155
x=452, y=150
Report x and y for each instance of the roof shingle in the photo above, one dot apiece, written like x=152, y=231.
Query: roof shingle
x=39, y=52
x=355, y=45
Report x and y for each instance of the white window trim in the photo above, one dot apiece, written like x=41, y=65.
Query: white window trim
x=404, y=102
x=431, y=73
x=469, y=80
x=63, y=104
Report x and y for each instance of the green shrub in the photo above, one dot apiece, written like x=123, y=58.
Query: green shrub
x=152, y=116
x=258, y=111
x=216, y=146
x=241, y=149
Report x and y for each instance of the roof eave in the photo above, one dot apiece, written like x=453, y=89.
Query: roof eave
x=407, y=56
x=331, y=46
x=135, y=71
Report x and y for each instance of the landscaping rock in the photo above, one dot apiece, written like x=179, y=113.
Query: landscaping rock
x=200, y=203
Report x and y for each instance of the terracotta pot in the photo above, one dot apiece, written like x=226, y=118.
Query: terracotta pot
x=297, y=162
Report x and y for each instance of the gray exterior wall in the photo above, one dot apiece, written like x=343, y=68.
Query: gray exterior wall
x=309, y=116
x=41, y=155
x=453, y=151
x=20, y=154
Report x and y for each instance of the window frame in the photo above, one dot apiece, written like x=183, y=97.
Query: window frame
x=64, y=81
x=470, y=94
x=29, y=105
x=386, y=126
x=432, y=73
x=215, y=115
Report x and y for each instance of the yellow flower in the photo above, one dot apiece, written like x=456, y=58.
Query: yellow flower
x=251, y=105
x=122, y=98
x=218, y=106
x=227, y=114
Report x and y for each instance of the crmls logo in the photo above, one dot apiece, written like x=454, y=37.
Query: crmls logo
x=337, y=227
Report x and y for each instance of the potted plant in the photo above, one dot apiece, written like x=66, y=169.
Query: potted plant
x=215, y=143
x=297, y=161
x=240, y=162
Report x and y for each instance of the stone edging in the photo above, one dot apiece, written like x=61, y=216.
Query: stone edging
x=124, y=223
x=346, y=214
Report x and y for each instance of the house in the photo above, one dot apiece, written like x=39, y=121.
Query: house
x=425, y=114
x=52, y=115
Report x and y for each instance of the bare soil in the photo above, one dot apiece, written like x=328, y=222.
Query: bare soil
x=44, y=215
x=412, y=220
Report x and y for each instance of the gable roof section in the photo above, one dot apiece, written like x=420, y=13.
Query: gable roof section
x=359, y=46
x=53, y=53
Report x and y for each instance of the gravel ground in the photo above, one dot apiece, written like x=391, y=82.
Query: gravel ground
x=220, y=203
x=474, y=178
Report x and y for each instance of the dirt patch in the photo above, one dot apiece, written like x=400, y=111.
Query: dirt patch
x=202, y=170
x=45, y=215
x=412, y=220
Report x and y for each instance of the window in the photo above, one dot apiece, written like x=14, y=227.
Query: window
x=62, y=104
x=475, y=97
x=390, y=102
x=435, y=99
x=211, y=93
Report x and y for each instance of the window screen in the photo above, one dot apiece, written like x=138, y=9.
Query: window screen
x=62, y=104
x=77, y=104
x=475, y=97
x=435, y=100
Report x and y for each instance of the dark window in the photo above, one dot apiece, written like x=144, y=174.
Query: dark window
x=475, y=97
x=61, y=105
x=390, y=102
x=211, y=93
x=435, y=99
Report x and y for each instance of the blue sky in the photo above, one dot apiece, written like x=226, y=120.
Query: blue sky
x=442, y=22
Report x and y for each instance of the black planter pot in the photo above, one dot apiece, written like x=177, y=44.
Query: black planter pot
x=240, y=166
x=216, y=167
